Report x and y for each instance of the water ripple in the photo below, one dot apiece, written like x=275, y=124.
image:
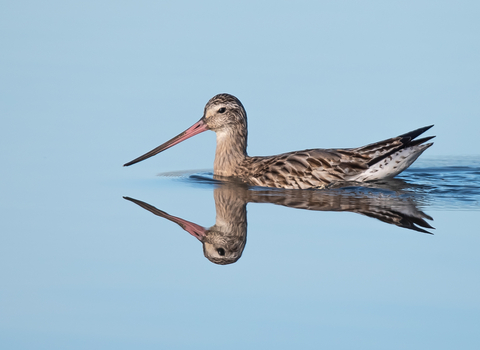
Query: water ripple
x=438, y=183
x=451, y=187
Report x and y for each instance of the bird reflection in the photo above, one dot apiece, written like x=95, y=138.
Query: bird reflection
x=224, y=242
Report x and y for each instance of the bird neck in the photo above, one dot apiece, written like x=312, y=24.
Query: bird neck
x=231, y=209
x=231, y=151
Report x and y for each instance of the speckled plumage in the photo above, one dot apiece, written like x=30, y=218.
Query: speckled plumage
x=224, y=242
x=311, y=168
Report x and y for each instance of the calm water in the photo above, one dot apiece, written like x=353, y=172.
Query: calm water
x=189, y=262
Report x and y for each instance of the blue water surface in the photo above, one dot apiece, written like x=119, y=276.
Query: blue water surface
x=340, y=268
x=188, y=262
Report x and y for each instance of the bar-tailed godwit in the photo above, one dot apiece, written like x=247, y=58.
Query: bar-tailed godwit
x=224, y=242
x=311, y=168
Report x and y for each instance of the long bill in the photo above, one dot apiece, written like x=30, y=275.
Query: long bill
x=195, y=230
x=195, y=129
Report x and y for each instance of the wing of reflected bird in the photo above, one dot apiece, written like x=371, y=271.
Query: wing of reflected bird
x=391, y=209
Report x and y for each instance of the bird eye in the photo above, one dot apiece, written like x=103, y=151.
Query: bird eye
x=221, y=251
x=222, y=110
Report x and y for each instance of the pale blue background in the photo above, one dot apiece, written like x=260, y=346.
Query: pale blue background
x=121, y=77
x=86, y=86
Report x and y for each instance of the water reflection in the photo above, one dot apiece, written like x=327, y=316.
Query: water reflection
x=224, y=242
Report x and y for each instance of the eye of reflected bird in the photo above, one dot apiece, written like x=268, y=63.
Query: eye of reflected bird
x=221, y=251
x=222, y=110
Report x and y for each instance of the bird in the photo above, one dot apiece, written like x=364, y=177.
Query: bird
x=224, y=242
x=311, y=168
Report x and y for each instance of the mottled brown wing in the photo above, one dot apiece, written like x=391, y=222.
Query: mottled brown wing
x=305, y=169
x=402, y=212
